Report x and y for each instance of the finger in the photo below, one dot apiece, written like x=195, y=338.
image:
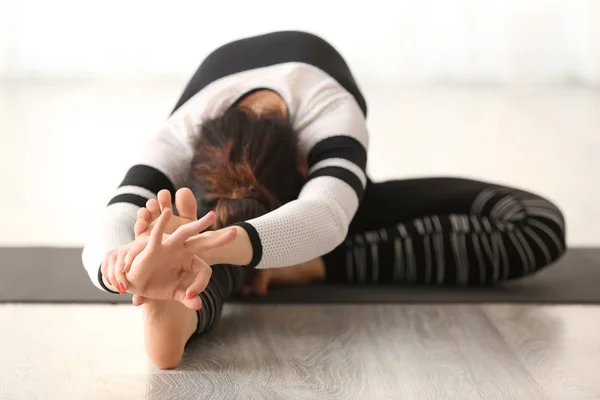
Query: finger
x=207, y=220
x=156, y=235
x=221, y=238
x=190, y=229
x=154, y=209
x=104, y=266
x=208, y=240
x=110, y=276
x=260, y=285
x=194, y=303
x=203, y=272
x=133, y=252
x=186, y=204
x=143, y=221
x=164, y=200
x=138, y=300
x=144, y=214
x=140, y=227
x=121, y=280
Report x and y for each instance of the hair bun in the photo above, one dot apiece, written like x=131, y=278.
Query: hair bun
x=257, y=192
x=239, y=193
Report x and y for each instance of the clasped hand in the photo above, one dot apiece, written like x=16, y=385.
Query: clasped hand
x=163, y=266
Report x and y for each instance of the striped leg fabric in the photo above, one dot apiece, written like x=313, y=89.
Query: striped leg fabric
x=506, y=235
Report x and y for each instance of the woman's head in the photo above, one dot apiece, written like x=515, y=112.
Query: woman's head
x=246, y=165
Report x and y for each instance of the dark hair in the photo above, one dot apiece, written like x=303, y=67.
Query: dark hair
x=246, y=165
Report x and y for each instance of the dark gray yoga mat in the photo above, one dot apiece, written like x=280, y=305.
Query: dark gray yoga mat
x=56, y=275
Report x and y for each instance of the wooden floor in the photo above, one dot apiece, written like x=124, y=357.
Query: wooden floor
x=309, y=352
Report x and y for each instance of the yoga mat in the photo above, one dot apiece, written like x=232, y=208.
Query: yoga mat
x=55, y=275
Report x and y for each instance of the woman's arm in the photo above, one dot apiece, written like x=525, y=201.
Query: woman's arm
x=336, y=137
x=238, y=252
x=163, y=162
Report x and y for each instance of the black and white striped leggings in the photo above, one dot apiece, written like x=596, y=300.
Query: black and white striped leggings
x=432, y=231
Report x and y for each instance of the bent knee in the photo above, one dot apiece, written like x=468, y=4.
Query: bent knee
x=541, y=219
x=536, y=233
x=546, y=219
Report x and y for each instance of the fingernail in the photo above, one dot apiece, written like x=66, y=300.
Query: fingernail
x=121, y=288
x=211, y=213
x=191, y=295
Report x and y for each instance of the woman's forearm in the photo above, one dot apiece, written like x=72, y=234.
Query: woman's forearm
x=237, y=252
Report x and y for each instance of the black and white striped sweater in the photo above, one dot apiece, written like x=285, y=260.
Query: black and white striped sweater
x=333, y=137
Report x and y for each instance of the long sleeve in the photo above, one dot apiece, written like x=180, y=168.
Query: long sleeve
x=335, y=137
x=163, y=162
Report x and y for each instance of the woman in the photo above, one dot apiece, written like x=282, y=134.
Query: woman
x=273, y=128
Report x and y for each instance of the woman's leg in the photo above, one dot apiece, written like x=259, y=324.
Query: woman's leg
x=169, y=325
x=447, y=231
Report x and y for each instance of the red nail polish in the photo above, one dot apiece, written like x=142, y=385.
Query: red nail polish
x=191, y=295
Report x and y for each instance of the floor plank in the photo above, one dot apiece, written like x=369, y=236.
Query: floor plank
x=559, y=346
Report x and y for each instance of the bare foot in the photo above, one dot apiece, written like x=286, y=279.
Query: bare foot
x=308, y=272
x=301, y=274
x=187, y=210
x=168, y=325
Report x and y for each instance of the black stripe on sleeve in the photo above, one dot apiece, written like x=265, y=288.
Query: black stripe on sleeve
x=343, y=174
x=134, y=199
x=344, y=147
x=148, y=178
x=101, y=281
x=257, y=249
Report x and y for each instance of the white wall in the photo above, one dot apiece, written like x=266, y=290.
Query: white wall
x=64, y=148
x=5, y=30
x=388, y=41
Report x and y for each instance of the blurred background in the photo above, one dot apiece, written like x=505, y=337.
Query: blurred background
x=506, y=91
